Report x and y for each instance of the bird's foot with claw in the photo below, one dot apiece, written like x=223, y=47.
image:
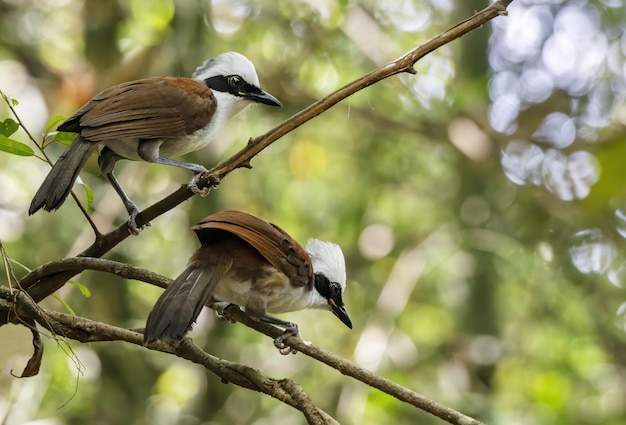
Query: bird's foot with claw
x=222, y=311
x=282, y=346
x=212, y=182
x=132, y=224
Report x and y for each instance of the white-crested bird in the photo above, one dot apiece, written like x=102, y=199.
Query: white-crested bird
x=254, y=264
x=153, y=119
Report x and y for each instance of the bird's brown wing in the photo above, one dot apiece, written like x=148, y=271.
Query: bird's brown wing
x=273, y=243
x=152, y=108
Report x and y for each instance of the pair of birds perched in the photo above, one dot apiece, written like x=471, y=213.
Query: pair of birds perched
x=243, y=260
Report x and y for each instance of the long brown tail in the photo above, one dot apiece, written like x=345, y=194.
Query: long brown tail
x=179, y=306
x=59, y=181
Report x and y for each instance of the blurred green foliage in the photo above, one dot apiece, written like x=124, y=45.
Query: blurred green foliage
x=474, y=278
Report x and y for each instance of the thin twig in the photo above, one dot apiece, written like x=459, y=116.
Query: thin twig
x=6, y=261
x=49, y=161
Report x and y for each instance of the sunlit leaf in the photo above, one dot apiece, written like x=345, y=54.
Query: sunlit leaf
x=83, y=289
x=54, y=122
x=9, y=100
x=14, y=147
x=88, y=196
x=8, y=127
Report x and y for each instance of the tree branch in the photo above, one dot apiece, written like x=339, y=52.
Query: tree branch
x=86, y=330
x=403, y=64
x=360, y=374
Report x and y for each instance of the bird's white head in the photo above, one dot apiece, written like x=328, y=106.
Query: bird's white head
x=329, y=267
x=234, y=82
x=230, y=63
x=327, y=259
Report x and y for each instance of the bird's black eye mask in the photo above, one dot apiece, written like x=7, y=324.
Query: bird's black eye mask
x=232, y=84
x=328, y=289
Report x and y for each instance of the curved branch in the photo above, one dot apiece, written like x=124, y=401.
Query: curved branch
x=78, y=264
x=353, y=370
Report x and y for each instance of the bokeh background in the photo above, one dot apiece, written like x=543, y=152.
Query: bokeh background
x=481, y=205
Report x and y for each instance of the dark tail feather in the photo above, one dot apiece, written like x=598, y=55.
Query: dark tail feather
x=59, y=181
x=179, y=306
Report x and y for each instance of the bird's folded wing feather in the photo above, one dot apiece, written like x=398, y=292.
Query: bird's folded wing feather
x=179, y=306
x=152, y=108
x=273, y=243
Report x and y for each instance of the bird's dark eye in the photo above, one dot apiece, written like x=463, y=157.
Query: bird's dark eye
x=235, y=80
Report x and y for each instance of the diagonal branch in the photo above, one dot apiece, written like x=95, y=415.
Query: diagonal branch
x=44, y=287
x=403, y=64
x=355, y=371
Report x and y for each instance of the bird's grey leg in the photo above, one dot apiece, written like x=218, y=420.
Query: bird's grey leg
x=107, y=161
x=132, y=209
x=291, y=329
x=186, y=165
x=197, y=169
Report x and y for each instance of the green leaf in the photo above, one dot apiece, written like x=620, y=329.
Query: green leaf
x=8, y=127
x=83, y=289
x=14, y=147
x=64, y=138
x=88, y=195
x=53, y=122
x=8, y=100
x=69, y=309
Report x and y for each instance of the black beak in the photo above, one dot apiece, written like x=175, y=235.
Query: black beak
x=340, y=312
x=261, y=96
